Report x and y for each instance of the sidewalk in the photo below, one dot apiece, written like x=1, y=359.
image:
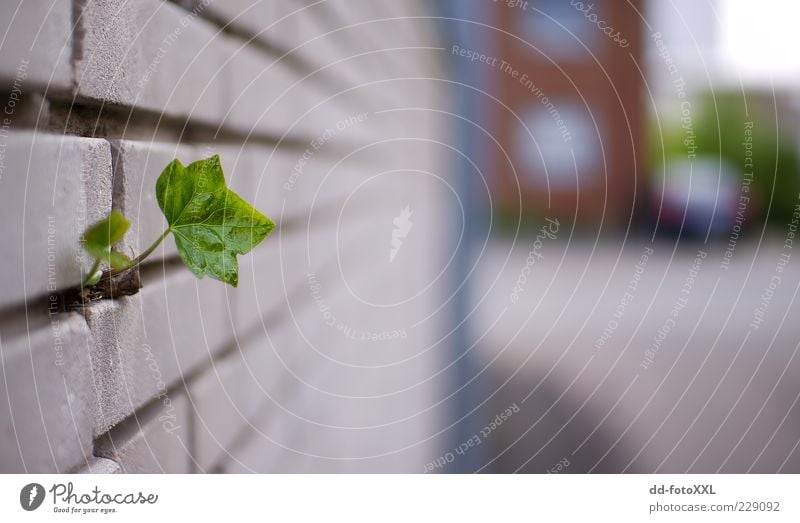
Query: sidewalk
x=641, y=359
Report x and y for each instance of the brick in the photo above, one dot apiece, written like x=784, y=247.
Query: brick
x=262, y=440
x=157, y=56
x=291, y=435
x=120, y=361
x=285, y=26
x=383, y=391
x=279, y=275
x=155, y=440
x=258, y=173
x=270, y=440
x=284, y=253
x=291, y=184
x=375, y=431
x=308, y=381
x=269, y=277
x=270, y=180
x=54, y=186
x=36, y=37
x=227, y=397
x=268, y=447
x=331, y=245
x=306, y=426
x=269, y=98
x=368, y=28
x=153, y=55
x=277, y=24
x=100, y=466
x=47, y=395
x=148, y=342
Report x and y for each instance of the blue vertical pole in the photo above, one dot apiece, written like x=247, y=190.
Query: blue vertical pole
x=471, y=105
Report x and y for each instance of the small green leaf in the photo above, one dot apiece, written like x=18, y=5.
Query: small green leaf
x=93, y=279
x=119, y=260
x=211, y=223
x=100, y=237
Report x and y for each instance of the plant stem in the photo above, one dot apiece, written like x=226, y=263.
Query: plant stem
x=91, y=273
x=139, y=259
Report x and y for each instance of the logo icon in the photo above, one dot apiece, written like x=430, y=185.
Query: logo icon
x=31, y=496
x=402, y=226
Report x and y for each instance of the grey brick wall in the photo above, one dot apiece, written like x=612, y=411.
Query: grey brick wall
x=325, y=118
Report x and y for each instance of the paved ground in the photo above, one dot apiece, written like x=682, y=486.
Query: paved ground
x=643, y=358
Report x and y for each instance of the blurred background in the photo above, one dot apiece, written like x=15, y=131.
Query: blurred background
x=539, y=236
x=649, y=333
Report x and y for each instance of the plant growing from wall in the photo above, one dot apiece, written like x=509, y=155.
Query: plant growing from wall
x=211, y=225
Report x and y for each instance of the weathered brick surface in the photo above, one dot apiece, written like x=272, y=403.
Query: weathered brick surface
x=158, y=57
x=152, y=55
x=338, y=404
x=36, y=46
x=156, y=440
x=280, y=24
x=148, y=342
x=47, y=394
x=330, y=35
x=275, y=278
x=372, y=36
x=100, y=466
x=275, y=438
x=267, y=446
x=249, y=379
x=270, y=97
x=307, y=34
x=53, y=187
x=226, y=398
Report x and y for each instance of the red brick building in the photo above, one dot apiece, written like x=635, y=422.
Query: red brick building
x=573, y=126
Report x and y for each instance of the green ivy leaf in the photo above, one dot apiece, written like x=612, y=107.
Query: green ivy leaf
x=100, y=237
x=211, y=223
